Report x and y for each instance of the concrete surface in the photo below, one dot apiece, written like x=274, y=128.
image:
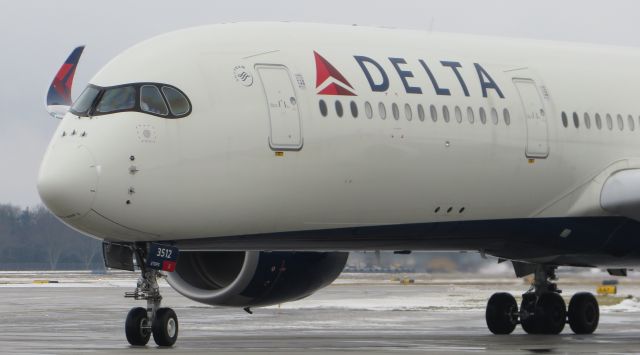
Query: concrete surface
x=85, y=313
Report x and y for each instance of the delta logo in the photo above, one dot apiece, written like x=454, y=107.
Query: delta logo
x=60, y=90
x=415, y=77
x=329, y=80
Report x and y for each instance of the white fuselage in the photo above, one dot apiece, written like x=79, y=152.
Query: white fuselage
x=241, y=164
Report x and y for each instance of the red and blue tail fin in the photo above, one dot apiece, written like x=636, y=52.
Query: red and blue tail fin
x=59, y=95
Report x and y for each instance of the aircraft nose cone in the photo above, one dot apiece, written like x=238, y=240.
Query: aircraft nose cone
x=67, y=181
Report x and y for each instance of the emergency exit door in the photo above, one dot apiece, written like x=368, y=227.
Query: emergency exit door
x=535, y=118
x=282, y=104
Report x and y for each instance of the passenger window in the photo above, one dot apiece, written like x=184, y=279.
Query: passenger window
x=445, y=113
x=565, y=122
x=632, y=124
x=458, y=114
x=470, y=115
x=383, y=110
x=421, y=113
x=620, y=123
x=323, y=108
x=117, y=99
x=494, y=116
x=339, y=110
x=609, y=122
x=396, y=111
x=354, y=109
x=151, y=100
x=407, y=112
x=587, y=120
x=576, y=121
x=86, y=99
x=507, y=116
x=434, y=113
x=483, y=115
x=178, y=103
x=368, y=110
x=598, y=121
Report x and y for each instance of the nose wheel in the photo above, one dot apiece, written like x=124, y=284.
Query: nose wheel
x=542, y=310
x=137, y=327
x=141, y=323
x=165, y=327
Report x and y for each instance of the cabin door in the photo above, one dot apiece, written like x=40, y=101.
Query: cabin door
x=535, y=118
x=282, y=104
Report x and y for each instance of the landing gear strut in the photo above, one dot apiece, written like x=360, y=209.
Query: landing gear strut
x=141, y=323
x=543, y=310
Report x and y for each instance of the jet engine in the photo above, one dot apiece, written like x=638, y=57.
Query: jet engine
x=253, y=278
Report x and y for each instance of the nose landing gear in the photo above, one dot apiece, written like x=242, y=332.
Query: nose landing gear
x=141, y=323
x=543, y=310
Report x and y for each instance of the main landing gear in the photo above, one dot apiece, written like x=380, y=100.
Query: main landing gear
x=141, y=323
x=543, y=310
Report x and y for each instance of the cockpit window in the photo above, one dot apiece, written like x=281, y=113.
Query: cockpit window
x=151, y=100
x=157, y=99
x=86, y=99
x=117, y=99
x=177, y=102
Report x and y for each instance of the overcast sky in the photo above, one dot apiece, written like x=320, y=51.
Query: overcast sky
x=36, y=36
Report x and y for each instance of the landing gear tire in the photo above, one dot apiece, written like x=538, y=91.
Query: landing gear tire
x=137, y=327
x=528, y=321
x=551, y=313
x=544, y=314
x=502, y=313
x=584, y=313
x=165, y=327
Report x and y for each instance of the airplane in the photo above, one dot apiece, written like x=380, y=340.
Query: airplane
x=244, y=161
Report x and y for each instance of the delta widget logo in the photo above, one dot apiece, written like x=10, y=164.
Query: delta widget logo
x=329, y=81
x=60, y=90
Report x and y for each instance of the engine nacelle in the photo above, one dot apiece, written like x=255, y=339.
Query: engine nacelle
x=253, y=278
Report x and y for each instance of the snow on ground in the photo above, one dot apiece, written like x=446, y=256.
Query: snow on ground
x=66, y=279
x=370, y=292
x=628, y=305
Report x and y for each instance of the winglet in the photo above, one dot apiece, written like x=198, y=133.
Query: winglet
x=58, y=98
